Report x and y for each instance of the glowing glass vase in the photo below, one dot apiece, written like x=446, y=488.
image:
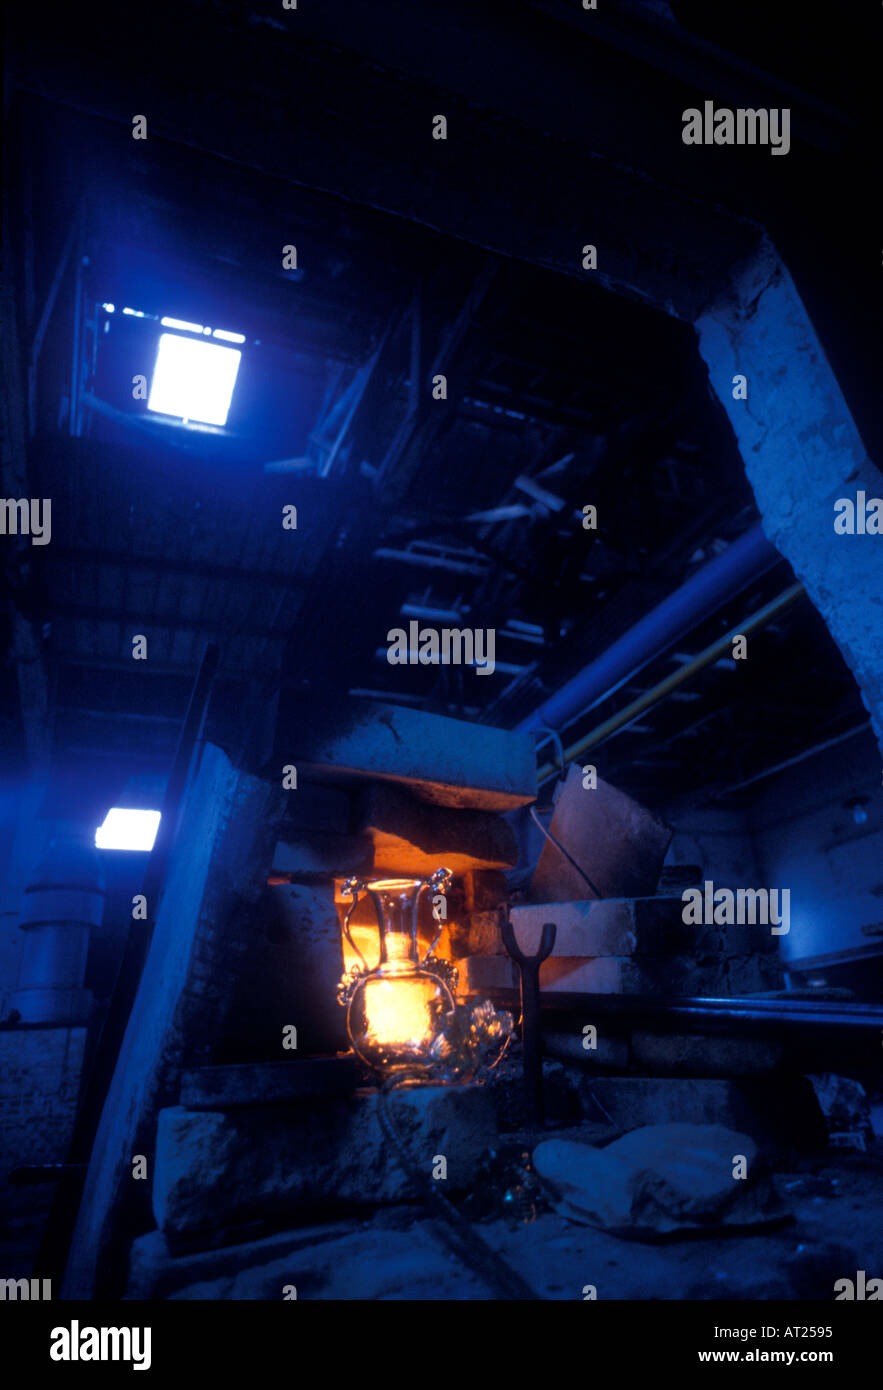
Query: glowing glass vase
x=396, y=1011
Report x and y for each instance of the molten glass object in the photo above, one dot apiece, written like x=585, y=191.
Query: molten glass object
x=400, y=1011
x=401, y=1014
x=473, y=1039
x=397, y=1011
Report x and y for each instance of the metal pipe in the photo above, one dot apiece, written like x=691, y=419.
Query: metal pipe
x=433, y=562
x=665, y=687
x=741, y=563
x=714, y=1015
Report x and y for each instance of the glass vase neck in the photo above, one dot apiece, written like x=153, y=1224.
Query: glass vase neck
x=396, y=901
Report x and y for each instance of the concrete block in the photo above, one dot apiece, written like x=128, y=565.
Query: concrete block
x=414, y=838
x=618, y=844
x=680, y=1054
x=683, y=975
x=268, y=1083
x=271, y=1163
x=444, y=761
x=317, y=857
x=610, y=927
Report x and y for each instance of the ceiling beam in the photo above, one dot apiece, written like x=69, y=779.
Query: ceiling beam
x=315, y=134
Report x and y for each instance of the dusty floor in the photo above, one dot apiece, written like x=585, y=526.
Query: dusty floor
x=836, y=1228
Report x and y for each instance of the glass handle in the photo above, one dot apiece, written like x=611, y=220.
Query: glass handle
x=352, y=888
x=438, y=882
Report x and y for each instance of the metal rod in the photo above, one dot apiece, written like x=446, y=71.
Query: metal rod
x=714, y=1014
x=529, y=967
x=665, y=687
x=798, y=758
x=697, y=598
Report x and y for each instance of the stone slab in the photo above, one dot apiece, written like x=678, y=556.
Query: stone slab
x=616, y=842
x=268, y=1083
x=659, y=1179
x=412, y=837
x=374, y=1263
x=317, y=857
x=661, y=976
x=610, y=927
x=633, y=927
x=272, y=1164
x=447, y=762
x=155, y=1271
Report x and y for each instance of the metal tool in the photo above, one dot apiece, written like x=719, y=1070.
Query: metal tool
x=531, y=1037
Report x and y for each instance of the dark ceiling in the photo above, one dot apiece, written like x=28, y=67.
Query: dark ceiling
x=465, y=511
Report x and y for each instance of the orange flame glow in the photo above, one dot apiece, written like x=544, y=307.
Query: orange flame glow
x=398, y=1011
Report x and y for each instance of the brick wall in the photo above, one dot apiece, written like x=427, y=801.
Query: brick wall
x=39, y=1080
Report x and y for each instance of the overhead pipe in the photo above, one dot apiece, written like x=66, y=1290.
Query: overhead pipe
x=741, y=563
x=658, y=692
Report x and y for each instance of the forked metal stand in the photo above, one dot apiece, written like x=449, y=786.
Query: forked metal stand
x=531, y=1037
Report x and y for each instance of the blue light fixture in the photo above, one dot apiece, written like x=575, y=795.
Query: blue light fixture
x=193, y=379
x=127, y=829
